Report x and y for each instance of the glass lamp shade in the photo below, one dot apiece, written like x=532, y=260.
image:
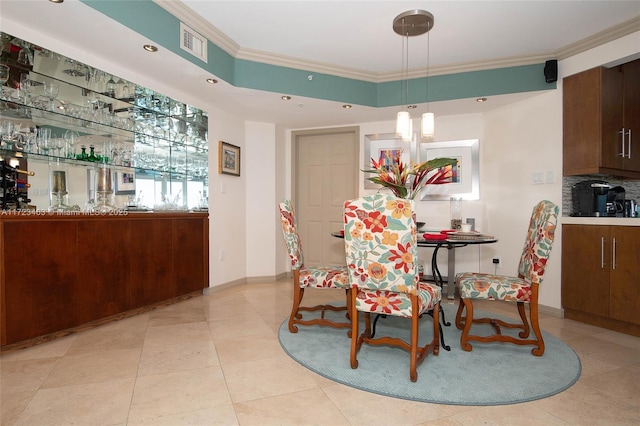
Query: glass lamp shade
x=404, y=126
x=428, y=125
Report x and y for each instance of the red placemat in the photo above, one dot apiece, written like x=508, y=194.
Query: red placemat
x=435, y=236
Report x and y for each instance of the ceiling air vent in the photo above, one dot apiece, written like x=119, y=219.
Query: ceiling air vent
x=193, y=42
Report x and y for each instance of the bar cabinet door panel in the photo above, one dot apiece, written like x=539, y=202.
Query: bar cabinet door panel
x=104, y=256
x=151, y=262
x=189, y=262
x=585, y=268
x=40, y=277
x=625, y=274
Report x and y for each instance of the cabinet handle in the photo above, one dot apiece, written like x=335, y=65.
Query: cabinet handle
x=613, y=255
x=629, y=149
x=622, y=132
x=602, y=253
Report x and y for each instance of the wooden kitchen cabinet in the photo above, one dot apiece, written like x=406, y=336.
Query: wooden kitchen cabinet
x=63, y=271
x=625, y=274
x=601, y=121
x=601, y=276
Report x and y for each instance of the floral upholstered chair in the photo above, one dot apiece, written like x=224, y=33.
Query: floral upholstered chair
x=382, y=252
x=320, y=277
x=522, y=289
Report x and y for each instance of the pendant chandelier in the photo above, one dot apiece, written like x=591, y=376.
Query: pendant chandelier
x=408, y=24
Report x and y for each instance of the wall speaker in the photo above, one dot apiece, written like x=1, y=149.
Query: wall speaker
x=551, y=71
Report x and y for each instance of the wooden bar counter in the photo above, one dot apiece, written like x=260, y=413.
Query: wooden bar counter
x=62, y=271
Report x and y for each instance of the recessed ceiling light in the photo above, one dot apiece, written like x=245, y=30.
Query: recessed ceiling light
x=56, y=1
x=150, y=48
x=285, y=98
x=481, y=99
x=346, y=106
x=212, y=81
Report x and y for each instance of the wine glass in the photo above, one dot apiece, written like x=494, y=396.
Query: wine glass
x=71, y=138
x=4, y=75
x=111, y=87
x=10, y=134
x=58, y=144
x=43, y=140
x=51, y=91
x=24, y=91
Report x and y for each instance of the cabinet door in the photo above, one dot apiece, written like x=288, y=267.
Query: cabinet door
x=40, y=278
x=631, y=72
x=103, y=268
x=190, y=255
x=151, y=262
x=585, y=268
x=612, y=107
x=625, y=274
x=581, y=122
x=592, y=121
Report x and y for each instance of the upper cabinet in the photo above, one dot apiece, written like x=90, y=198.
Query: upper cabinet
x=601, y=121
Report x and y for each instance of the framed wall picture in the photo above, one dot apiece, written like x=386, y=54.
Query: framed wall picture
x=228, y=159
x=390, y=149
x=125, y=183
x=465, y=176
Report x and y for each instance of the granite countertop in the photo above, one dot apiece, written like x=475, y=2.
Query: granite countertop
x=618, y=221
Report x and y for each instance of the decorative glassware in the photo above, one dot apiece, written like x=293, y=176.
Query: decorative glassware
x=456, y=214
x=59, y=193
x=51, y=91
x=4, y=77
x=104, y=190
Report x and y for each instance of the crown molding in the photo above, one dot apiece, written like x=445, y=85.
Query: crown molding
x=600, y=38
x=206, y=29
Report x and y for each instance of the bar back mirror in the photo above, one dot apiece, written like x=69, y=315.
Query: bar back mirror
x=156, y=146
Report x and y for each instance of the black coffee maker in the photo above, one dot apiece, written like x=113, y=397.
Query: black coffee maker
x=590, y=198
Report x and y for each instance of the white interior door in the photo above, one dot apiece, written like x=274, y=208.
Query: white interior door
x=325, y=173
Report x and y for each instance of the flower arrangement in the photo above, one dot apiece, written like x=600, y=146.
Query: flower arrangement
x=407, y=180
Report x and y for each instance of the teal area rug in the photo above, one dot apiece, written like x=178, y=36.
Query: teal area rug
x=491, y=374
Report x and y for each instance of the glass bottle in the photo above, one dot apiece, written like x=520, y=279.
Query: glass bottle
x=92, y=154
x=456, y=215
x=83, y=153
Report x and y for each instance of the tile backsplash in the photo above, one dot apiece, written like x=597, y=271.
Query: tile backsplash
x=631, y=187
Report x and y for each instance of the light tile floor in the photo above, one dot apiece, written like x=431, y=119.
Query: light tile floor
x=216, y=359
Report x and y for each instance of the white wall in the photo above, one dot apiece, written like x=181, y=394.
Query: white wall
x=227, y=202
x=520, y=139
x=261, y=215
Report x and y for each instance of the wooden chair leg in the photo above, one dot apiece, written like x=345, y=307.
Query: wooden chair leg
x=437, y=329
x=413, y=373
x=525, y=323
x=464, y=338
x=354, y=330
x=533, y=311
x=298, y=293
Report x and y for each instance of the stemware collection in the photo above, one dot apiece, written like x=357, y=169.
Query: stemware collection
x=82, y=114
